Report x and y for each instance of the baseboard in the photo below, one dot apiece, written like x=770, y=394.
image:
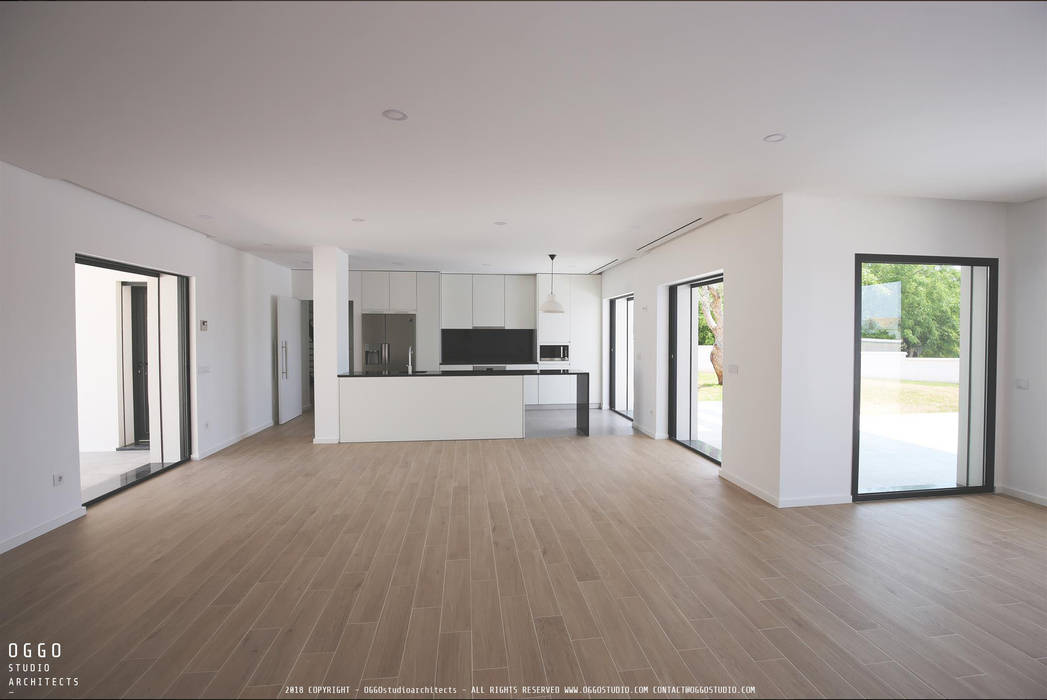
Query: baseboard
x=33, y=533
x=1023, y=495
x=325, y=441
x=815, y=501
x=232, y=441
x=754, y=490
x=650, y=433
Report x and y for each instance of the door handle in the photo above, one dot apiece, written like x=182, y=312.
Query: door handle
x=385, y=353
x=284, y=348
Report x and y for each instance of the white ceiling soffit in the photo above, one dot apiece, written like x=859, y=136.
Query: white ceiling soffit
x=587, y=128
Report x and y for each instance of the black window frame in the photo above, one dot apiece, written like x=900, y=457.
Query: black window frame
x=184, y=330
x=611, y=350
x=992, y=326
x=704, y=280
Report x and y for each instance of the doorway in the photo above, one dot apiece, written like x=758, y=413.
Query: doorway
x=621, y=386
x=697, y=365
x=924, y=375
x=132, y=373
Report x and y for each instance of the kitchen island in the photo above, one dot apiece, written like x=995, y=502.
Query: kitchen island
x=446, y=405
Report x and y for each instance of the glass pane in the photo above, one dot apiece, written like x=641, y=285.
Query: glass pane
x=923, y=369
x=708, y=367
x=116, y=377
x=699, y=366
x=684, y=388
x=630, y=388
x=621, y=355
x=622, y=347
x=131, y=350
x=172, y=368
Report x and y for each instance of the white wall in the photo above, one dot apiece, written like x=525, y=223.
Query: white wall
x=1025, y=473
x=747, y=247
x=43, y=224
x=821, y=236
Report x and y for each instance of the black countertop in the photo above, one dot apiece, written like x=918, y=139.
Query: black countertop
x=465, y=373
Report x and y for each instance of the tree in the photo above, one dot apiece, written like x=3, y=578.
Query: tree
x=930, y=308
x=710, y=299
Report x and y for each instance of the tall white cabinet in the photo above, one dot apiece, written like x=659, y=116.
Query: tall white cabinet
x=427, y=322
x=579, y=327
x=586, y=330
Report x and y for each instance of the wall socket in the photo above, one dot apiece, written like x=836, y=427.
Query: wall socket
x=57, y=479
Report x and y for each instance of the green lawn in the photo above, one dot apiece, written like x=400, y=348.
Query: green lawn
x=708, y=388
x=879, y=396
x=886, y=396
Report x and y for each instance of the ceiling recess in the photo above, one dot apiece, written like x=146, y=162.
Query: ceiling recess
x=607, y=264
x=666, y=235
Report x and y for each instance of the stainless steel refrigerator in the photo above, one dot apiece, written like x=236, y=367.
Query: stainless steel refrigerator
x=387, y=339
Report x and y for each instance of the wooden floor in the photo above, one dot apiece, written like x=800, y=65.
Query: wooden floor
x=606, y=561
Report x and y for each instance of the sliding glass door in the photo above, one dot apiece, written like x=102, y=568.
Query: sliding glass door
x=621, y=356
x=132, y=356
x=696, y=365
x=924, y=375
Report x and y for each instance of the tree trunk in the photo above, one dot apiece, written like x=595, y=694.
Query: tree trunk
x=710, y=299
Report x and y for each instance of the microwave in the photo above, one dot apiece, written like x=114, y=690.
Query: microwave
x=553, y=353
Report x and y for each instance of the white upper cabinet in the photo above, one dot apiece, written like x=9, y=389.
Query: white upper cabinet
x=554, y=329
x=389, y=291
x=375, y=291
x=456, y=301
x=520, y=301
x=403, y=291
x=489, y=300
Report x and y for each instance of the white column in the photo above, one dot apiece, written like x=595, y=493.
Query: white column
x=330, y=337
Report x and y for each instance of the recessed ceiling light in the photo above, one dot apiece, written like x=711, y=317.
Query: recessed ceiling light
x=774, y=138
x=500, y=223
x=359, y=221
x=205, y=217
x=394, y=114
x=487, y=264
x=398, y=264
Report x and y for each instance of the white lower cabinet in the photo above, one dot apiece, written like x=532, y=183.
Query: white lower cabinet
x=557, y=388
x=530, y=390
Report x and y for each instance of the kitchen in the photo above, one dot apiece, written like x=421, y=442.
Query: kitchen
x=468, y=356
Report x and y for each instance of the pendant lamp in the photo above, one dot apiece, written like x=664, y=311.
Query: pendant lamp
x=551, y=305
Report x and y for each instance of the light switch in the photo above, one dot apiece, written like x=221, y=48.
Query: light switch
x=1022, y=383
x=203, y=326
x=732, y=369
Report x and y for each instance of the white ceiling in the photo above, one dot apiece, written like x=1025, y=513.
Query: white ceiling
x=589, y=128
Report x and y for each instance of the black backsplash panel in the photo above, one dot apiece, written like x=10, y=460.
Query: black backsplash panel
x=487, y=346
